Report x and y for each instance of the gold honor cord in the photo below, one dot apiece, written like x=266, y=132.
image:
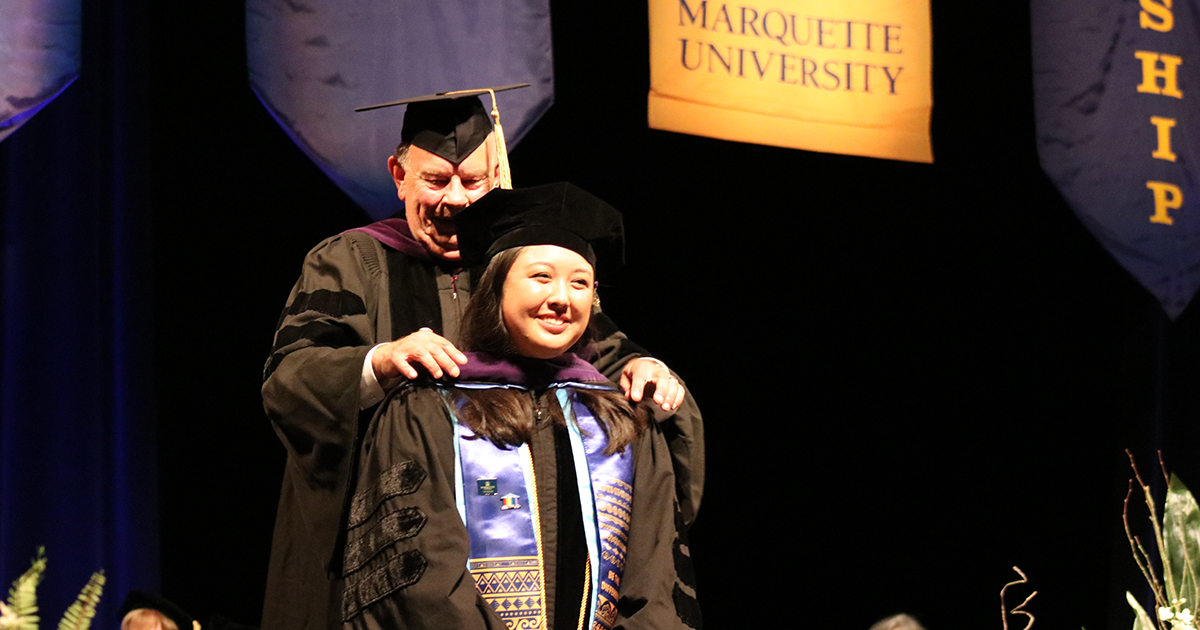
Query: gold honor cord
x=535, y=510
x=587, y=588
x=501, y=146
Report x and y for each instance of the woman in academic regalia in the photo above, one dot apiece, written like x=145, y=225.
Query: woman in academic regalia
x=528, y=492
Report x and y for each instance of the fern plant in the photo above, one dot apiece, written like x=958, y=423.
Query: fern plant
x=79, y=614
x=20, y=613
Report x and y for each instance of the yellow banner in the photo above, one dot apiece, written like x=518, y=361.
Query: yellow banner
x=839, y=76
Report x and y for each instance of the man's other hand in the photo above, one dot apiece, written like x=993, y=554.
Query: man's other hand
x=425, y=348
x=643, y=375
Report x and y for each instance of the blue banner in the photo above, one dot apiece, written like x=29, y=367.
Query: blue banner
x=39, y=56
x=311, y=63
x=1119, y=134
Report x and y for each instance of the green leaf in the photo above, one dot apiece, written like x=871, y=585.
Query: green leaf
x=22, y=597
x=1181, y=542
x=79, y=615
x=1142, y=621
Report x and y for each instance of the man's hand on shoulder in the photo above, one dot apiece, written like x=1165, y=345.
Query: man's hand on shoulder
x=425, y=348
x=643, y=372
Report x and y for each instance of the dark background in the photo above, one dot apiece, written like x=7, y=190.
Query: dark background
x=913, y=376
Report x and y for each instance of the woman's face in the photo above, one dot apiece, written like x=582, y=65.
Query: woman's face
x=547, y=300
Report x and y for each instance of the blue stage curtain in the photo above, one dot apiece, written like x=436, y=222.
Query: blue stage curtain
x=77, y=441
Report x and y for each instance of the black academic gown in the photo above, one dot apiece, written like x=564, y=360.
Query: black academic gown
x=407, y=549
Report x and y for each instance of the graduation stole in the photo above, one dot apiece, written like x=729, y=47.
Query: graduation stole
x=496, y=492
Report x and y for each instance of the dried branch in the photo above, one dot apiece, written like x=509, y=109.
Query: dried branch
x=1019, y=609
x=1163, y=466
x=1168, y=579
x=1170, y=592
x=1139, y=553
x=1166, y=593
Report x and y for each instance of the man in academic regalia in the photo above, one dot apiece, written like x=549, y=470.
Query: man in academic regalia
x=372, y=307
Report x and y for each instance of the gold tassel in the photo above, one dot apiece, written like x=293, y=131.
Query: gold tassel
x=501, y=147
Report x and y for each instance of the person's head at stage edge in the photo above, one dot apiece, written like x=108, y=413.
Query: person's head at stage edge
x=147, y=611
x=542, y=246
x=445, y=162
x=147, y=619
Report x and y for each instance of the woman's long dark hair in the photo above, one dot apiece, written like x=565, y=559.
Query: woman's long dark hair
x=506, y=416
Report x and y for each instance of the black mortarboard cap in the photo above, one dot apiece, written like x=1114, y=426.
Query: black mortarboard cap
x=448, y=124
x=142, y=599
x=560, y=214
x=451, y=128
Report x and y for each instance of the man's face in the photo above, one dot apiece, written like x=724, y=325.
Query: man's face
x=434, y=190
